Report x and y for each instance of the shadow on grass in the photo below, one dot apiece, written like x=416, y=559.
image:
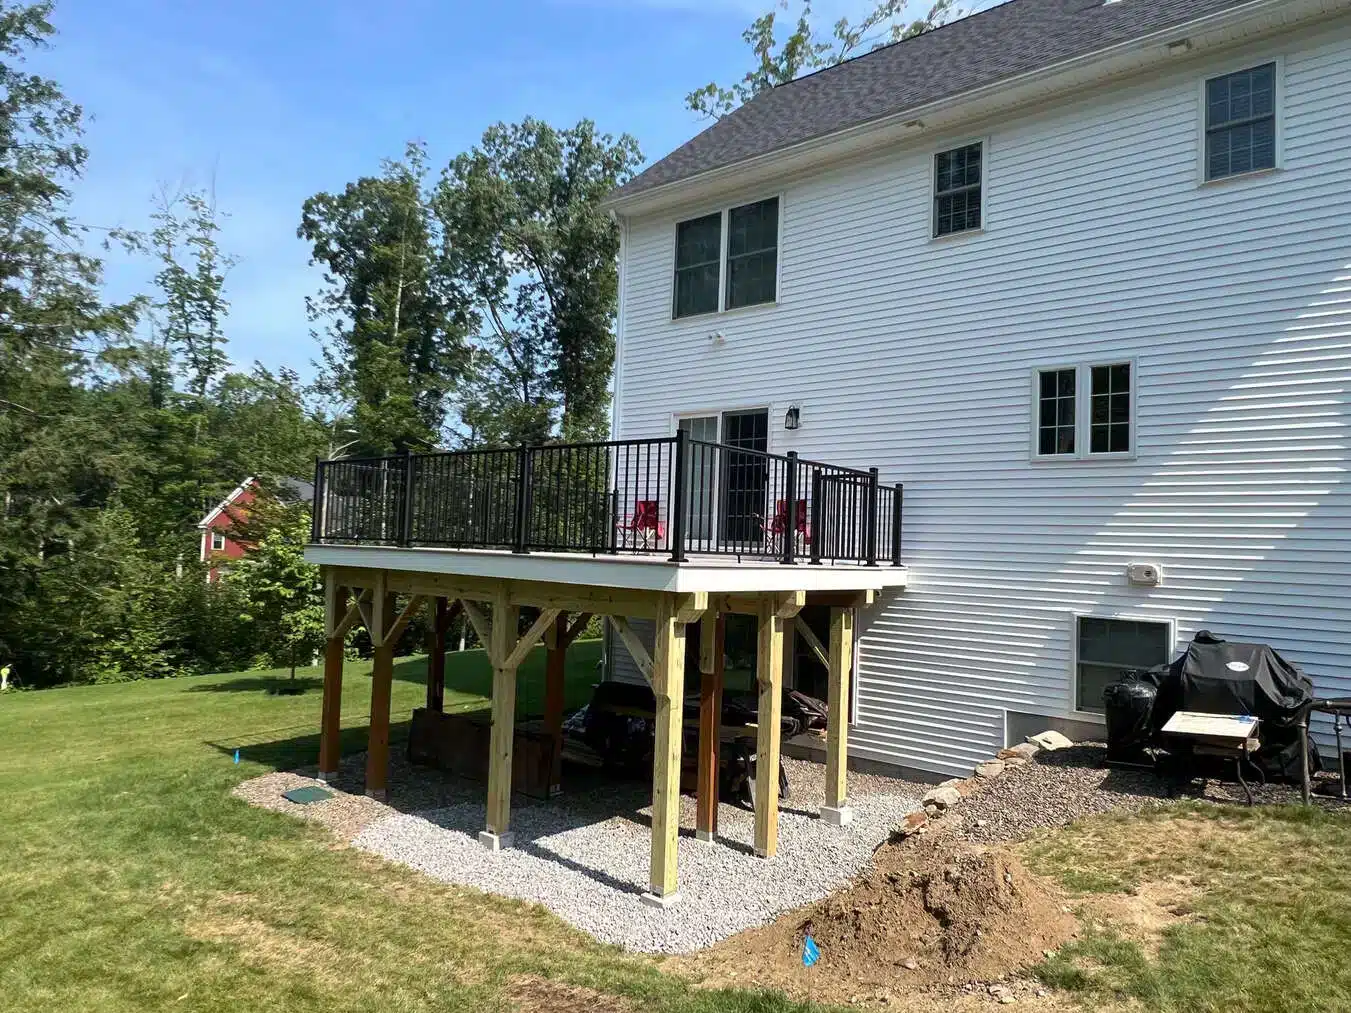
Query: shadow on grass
x=277, y=685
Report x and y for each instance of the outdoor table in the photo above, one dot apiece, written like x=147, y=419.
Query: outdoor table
x=1229, y=736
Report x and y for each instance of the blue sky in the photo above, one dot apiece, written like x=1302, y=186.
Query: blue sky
x=274, y=100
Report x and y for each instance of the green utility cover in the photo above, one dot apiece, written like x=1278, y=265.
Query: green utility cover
x=306, y=795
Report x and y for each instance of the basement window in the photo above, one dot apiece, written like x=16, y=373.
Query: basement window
x=1105, y=649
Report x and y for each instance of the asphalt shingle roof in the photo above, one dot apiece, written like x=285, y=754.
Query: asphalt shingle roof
x=1012, y=39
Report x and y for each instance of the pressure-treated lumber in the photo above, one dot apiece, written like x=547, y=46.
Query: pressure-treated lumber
x=812, y=641
x=436, y=654
x=555, y=672
x=636, y=648
x=668, y=685
x=712, y=635
x=786, y=603
x=769, y=679
x=330, y=721
x=840, y=667
x=480, y=623
x=501, y=638
x=530, y=639
x=382, y=685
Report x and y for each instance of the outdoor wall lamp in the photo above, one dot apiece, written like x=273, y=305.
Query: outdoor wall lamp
x=793, y=420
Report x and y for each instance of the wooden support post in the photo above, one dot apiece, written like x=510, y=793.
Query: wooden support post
x=769, y=678
x=436, y=656
x=555, y=669
x=330, y=721
x=668, y=684
x=712, y=636
x=836, y=810
x=382, y=686
x=501, y=642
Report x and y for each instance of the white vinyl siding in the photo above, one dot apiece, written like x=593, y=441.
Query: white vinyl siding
x=1234, y=302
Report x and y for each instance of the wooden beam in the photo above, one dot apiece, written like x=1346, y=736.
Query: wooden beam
x=636, y=648
x=555, y=684
x=668, y=684
x=356, y=613
x=400, y=624
x=840, y=666
x=712, y=636
x=481, y=626
x=530, y=639
x=335, y=597
x=382, y=687
x=501, y=738
x=436, y=655
x=330, y=720
x=577, y=628
x=769, y=679
x=786, y=603
x=842, y=599
x=689, y=607
x=812, y=641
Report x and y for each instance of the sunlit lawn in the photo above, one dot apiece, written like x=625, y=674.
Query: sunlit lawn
x=131, y=880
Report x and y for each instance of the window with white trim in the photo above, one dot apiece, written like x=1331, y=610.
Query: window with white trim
x=712, y=275
x=1240, y=123
x=217, y=541
x=1083, y=411
x=957, y=190
x=1106, y=649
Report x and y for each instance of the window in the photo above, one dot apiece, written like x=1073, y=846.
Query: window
x=752, y=253
x=727, y=489
x=1061, y=430
x=1055, y=412
x=217, y=541
x=1241, y=122
x=1106, y=649
x=710, y=278
x=698, y=249
x=957, y=183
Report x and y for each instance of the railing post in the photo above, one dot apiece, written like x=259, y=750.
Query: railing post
x=818, y=513
x=897, y=505
x=682, y=463
x=870, y=524
x=406, y=517
x=790, y=491
x=316, y=525
x=520, y=536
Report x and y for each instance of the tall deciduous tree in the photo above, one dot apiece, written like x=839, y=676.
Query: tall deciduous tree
x=395, y=331
x=809, y=46
x=528, y=244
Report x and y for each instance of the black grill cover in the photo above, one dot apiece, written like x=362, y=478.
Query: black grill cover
x=1218, y=676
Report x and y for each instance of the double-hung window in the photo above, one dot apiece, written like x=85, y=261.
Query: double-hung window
x=712, y=275
x=957, y=190
x=1083, y=411
x=1105, y=649
x=1240, y=122
x=217, y=541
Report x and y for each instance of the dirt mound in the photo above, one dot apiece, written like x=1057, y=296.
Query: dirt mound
x=930, y=911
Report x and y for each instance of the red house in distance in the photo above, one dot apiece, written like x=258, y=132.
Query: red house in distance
x=216, y=546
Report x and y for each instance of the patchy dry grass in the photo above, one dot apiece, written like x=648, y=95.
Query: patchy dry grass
x=1233, y=909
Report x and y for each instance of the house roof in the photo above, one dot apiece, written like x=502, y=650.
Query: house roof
x=1004, y=42
x=292, y=490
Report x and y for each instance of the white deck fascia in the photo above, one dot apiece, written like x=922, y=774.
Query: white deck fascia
x=716, y=575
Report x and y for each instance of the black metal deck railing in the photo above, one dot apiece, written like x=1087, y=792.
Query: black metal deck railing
x=614, y=497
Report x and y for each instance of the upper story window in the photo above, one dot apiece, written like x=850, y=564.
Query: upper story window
x=1084, y=411
x=728, y=259
x=1241, y=122
x=957, y=189
x=217, y=541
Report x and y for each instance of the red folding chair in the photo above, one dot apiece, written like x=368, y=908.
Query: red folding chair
x=644, y=524
x=778, y=527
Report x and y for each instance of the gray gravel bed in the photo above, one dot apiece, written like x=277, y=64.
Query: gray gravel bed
x=585, y=857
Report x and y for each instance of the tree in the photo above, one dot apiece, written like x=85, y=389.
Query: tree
x=807, y=47
x=395, y=330
x=532, y=251
x=281, y=595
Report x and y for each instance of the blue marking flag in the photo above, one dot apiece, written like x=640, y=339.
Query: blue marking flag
x=236, y=756
x=810, y=953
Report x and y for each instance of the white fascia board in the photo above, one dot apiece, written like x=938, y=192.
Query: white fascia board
x=632, y=572
x=220, y=507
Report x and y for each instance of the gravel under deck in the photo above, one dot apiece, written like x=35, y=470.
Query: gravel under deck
x=585, y=855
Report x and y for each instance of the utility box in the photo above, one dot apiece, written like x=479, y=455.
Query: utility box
x=1144, y=574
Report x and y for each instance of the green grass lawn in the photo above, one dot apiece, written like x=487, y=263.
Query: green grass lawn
x=131, y=880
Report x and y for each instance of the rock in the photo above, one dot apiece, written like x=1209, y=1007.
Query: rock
x=1026, y=750
x=1006, y=999
x=953, y=782
x=1050, y=741
x=911, y=965
x=990, y=769
x=913, y=824
x=942, y=797
x=1015, y=761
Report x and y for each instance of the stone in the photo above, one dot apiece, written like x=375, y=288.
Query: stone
x=1010, y=762
x=1050, y=741
x=913, y=824
x=943, y=797
x=911, y=965
x=1026, y=750
x=990, y=769
x=1006, y=999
